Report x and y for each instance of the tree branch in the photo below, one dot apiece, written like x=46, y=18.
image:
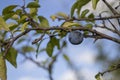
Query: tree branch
x=37, y=63
x=89, y=19
x=101, y=35
x=111, y=70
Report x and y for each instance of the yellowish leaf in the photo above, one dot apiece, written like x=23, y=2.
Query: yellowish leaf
x=3, y=25
x=94, y=3
x=53, y=17
x=15, y=17
x=61, y=14
x=70, y=24
x=24, y=26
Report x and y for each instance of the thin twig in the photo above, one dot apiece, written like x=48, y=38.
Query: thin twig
x=51, y=64
x=112, y=25
x=111, y=70
x=116, y=30
x=110, y=7
x=36, y=62
x=39, y=39
x=90, y=19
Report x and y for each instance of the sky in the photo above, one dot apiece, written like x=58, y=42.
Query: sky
x=83, y=55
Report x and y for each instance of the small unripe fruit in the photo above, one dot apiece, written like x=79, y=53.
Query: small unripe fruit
x=75, y=37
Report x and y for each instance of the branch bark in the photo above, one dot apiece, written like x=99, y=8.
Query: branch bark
x=90, y=19
x=97, y=33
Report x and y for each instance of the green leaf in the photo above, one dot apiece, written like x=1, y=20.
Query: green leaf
x=33, y=5
x=78, y=5
x=53, y=17
x=21, y=40
x=81, y=3
x=27, y=49
x=86, y=32
x=11, y=57
x=55, y=42
x=22, y=19
x=9, y=15
x=91, y=16
x=12, y=26
x=43, y=21
x=70, y=24
x=3, y=69
x=66, y=57
x=3, y=25
x=15, y=17
x=51, y=44
x=24, y=26
x=62, y=33
x=33, y=11
x=74, y=6
x=61, y=14
x=98, y=76
x=94, y=3
x=113, y=66
x=89, y=26
x=18, y=11
x=50, y=48
x=8, y=9
x=83, y=14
